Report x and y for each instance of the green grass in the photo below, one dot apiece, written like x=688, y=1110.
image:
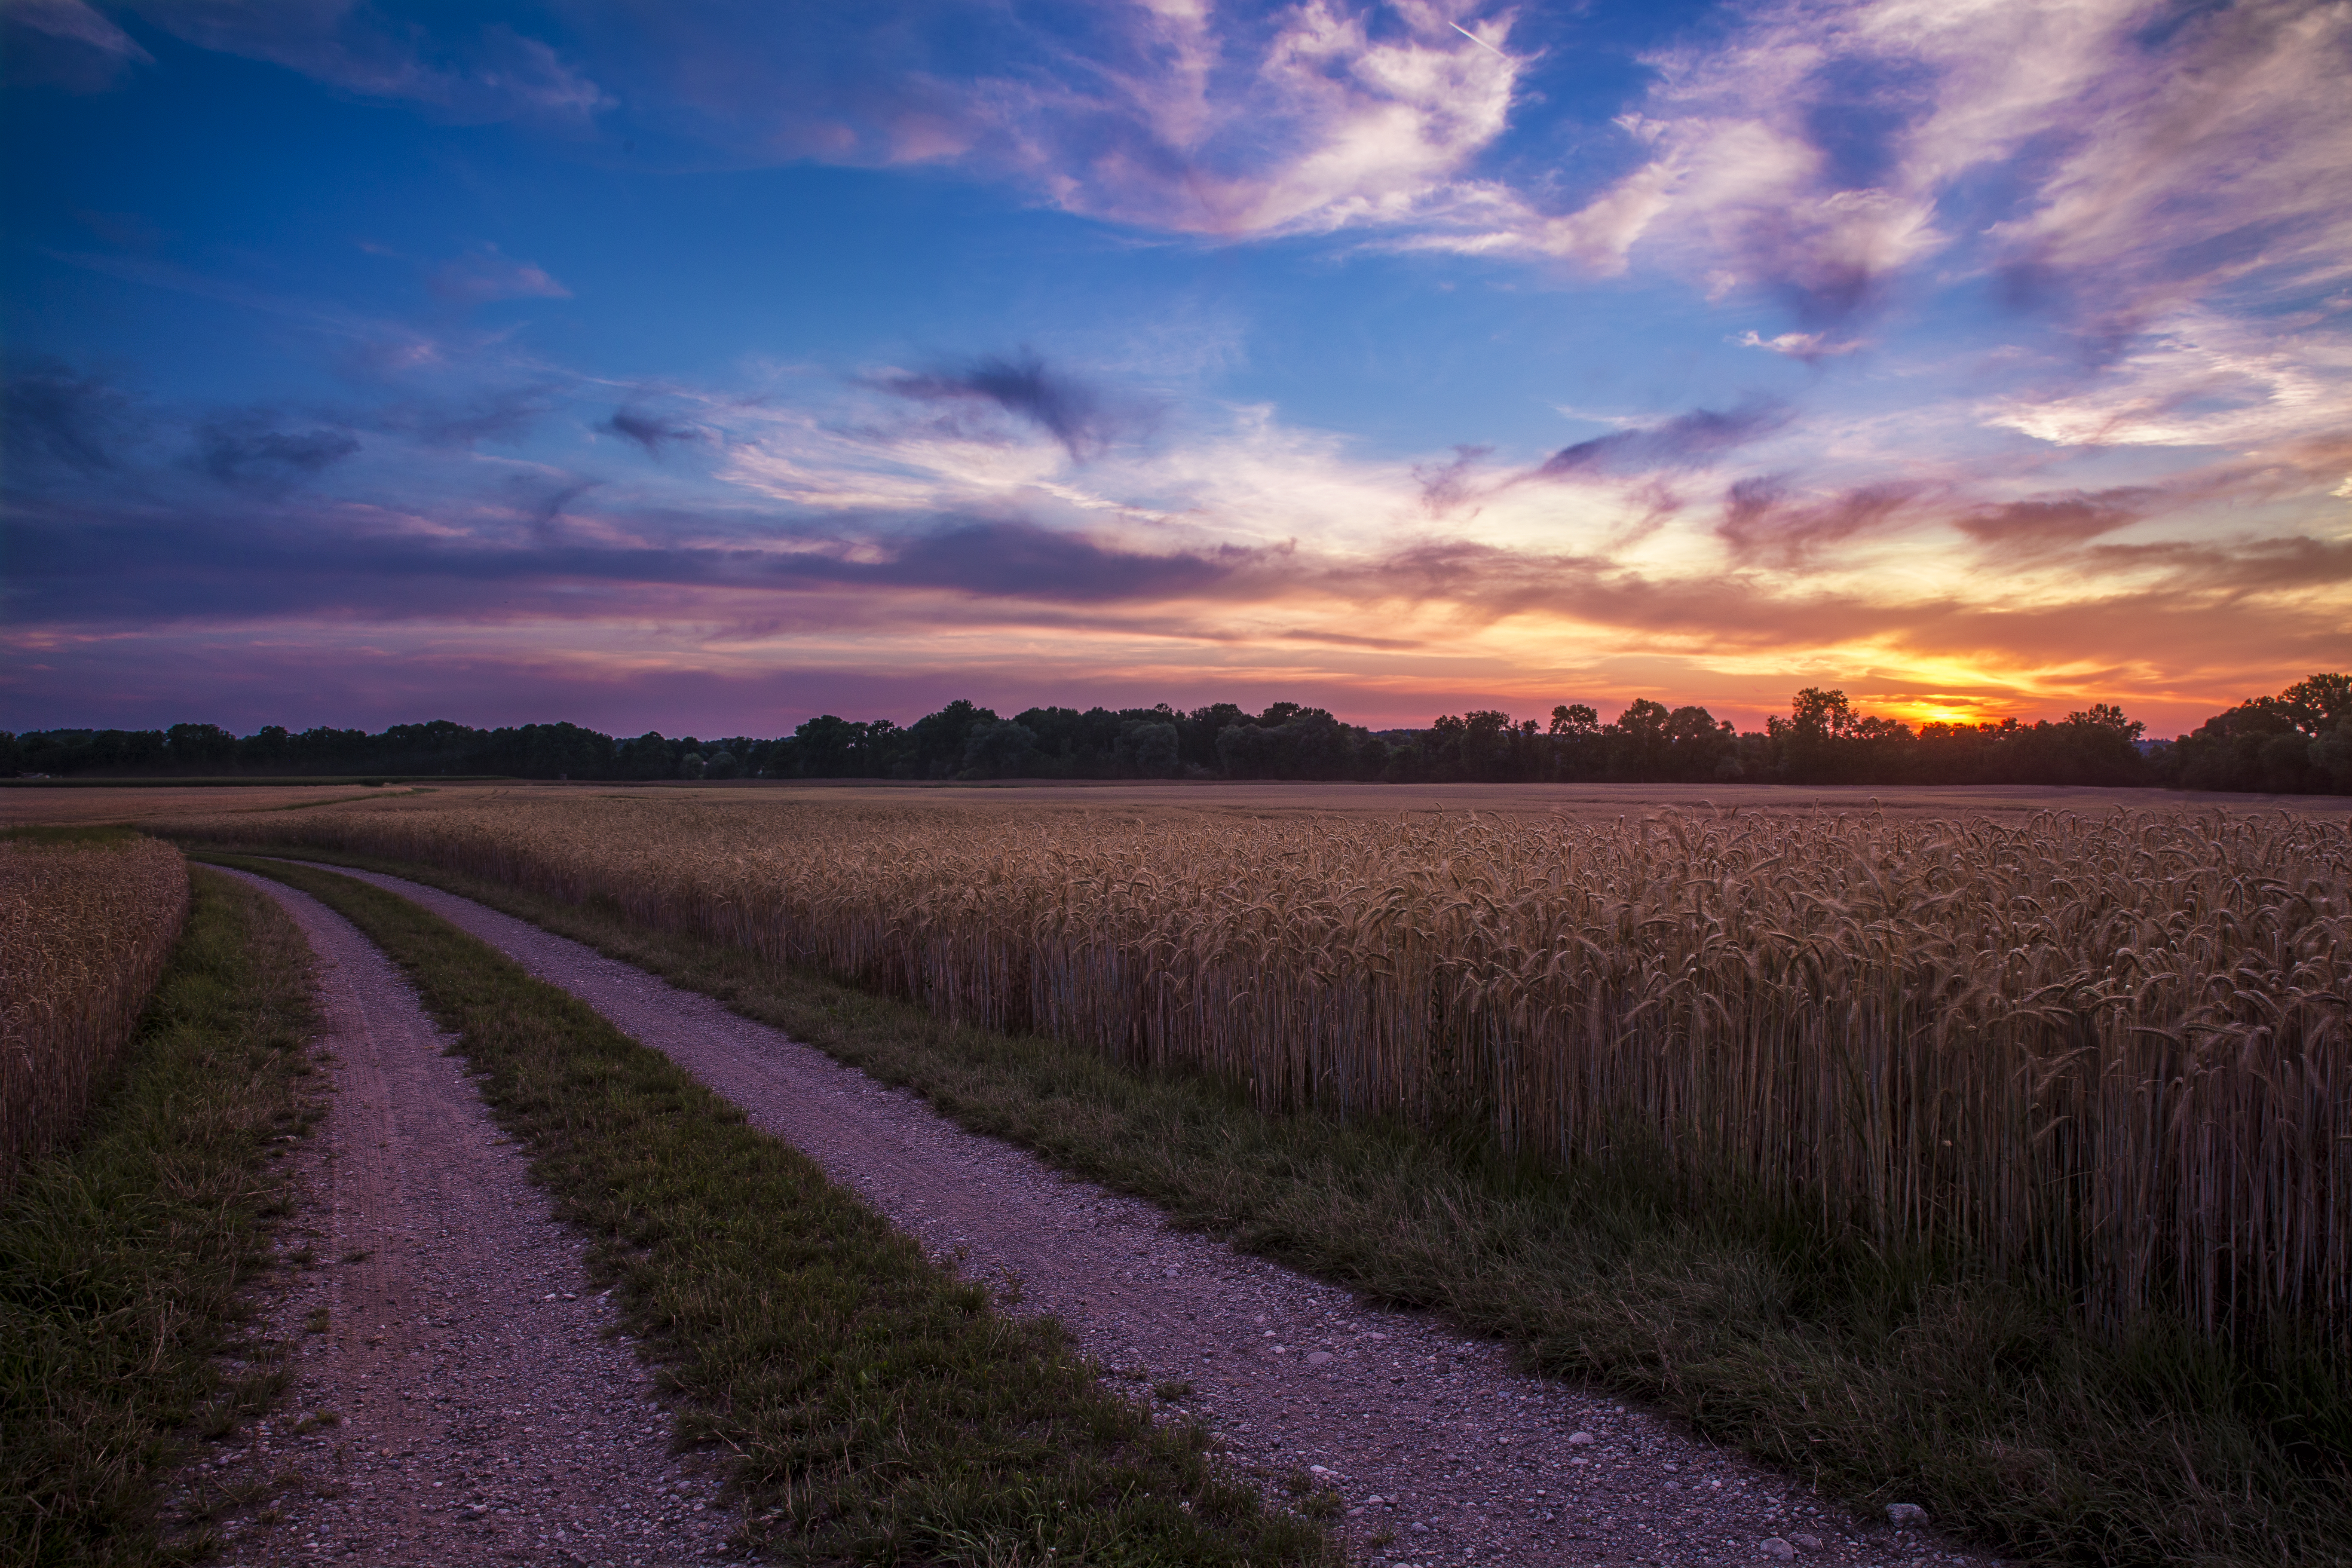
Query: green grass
x=123, y=1259
x=1879, y=1379
x=879, y=1409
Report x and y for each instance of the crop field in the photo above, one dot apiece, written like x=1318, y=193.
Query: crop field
x=23, y=803
x=2109, y=1052
x=84, y=930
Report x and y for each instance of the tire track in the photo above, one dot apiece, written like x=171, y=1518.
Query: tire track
x=473, y=1409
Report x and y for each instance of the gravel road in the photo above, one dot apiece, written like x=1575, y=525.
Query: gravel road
x=476, y=1410
x=1439, y=1451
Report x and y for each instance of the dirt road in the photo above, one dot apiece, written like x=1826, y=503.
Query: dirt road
x=1441, y=1452
x=455, y=1400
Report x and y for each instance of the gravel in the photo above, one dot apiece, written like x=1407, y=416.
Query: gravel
x=1436, y=1449
x=456, y=1397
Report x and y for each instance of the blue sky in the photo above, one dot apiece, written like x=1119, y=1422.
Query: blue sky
x=707, y=368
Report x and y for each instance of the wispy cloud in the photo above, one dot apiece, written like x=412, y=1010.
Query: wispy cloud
x=649, y=430
x=1172, y=115
x=2111, y=157
x=486, y=275
x=1074, y=412
x=485, y=73
x=59, y=417
x=248, y=451
x=75, y=20
x=1687, y=441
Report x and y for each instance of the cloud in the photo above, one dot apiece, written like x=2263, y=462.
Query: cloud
x=2220, y=157
x=246, y=452
x=2196, y=379
x=2113, y=159
x=1687, y=441
x=1762, y=521
x=1444, y=487
x=1073, y=412
x=1810, y=347
x=472, y=75
x=74, y=20
x=1172, y=115
x=486, y=275
x=56, y=418
x=496, y=414
x=648, y=430
x=1019, y=561
x=2046, y=523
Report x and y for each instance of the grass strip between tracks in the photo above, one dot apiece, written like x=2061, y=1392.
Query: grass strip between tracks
x=880, y=1409
x=122, y=1256
x=1880, y=1380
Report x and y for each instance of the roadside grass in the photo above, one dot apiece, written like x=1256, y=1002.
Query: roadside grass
x=122, y=1255
x=879, y=1409
x=1877, y=1378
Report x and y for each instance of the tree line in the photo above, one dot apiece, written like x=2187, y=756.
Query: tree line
x=2298, y=741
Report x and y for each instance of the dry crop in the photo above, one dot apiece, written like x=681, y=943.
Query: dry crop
x=2110, y=1052
x=85, y=929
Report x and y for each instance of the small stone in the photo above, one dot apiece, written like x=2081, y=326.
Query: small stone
x=1806, y=1542
x=1318, y=1358
x=1417, y=1527
x=1774, y=1547
x=1578, y=1439
x=1902, y=1514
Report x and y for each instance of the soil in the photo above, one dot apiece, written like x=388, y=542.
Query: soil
x=1439, y=1450
x=458, y=1394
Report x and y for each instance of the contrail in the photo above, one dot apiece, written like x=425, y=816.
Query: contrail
x=1477, y=39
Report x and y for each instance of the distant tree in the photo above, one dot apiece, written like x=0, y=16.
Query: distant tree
x=1197, y=732
x=1639, y=747
x=937, y=741
x=721, y=765
x=200, y=748
x=2294, y=742
x=691, y=766
x=1148, y=751
x=1000, y=749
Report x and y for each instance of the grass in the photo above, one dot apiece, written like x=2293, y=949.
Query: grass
x=880, y=1410
x=123, y=1255
x=1882, y=1377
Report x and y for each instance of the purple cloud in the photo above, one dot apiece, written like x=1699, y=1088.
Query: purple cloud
x=1069, y=410
x=248, y=452
x=469, y=75
x=485, y=276
x=1685, y=441
x=1762, y=521
x=56, y=417
x=648, y=431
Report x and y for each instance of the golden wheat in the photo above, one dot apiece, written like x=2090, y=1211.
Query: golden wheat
x=2109, y=1052
x=84, y=930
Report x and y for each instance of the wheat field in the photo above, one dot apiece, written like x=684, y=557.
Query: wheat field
x=2109, y=1052
x=84, y=930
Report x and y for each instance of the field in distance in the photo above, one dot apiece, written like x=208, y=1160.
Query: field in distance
x=75, y=805
x=164, y=807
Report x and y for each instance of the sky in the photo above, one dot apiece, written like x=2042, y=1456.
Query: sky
x=704, y=367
